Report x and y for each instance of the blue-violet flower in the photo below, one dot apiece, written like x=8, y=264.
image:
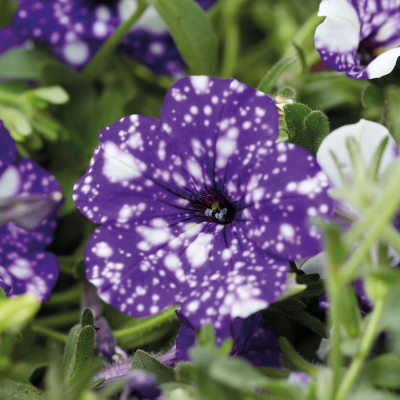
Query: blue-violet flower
x=200, y=208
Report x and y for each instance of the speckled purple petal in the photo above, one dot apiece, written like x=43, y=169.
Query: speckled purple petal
x=359, y=36
x=76, y=29
x=8, y=151
x=6, y=288
x=151, y=183
x=23, y=264
x=34, y=273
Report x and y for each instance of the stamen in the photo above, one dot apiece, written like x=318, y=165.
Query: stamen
x=219, y=216
x=214, y=206
x=208, y=212
x=224, y=211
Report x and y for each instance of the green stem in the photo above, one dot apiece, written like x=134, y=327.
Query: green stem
x=292, y=356
x=335, y=355
x=49, y=333
x=231, y=37
x=375, y=221
x=392, y=237
x=112, y=42
x=147, y=324
x=365, y=347
x=57, y=320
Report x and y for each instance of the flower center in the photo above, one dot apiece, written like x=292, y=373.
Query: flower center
x=213, y=207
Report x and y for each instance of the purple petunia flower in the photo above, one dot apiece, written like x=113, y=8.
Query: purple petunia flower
x=29, y=200
x=76, y=29
x=359, y=36
x=200, y=208
x=253, y=339
x=141, y=386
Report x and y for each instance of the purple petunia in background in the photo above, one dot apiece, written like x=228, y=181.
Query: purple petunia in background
x=200, y=208
x=253, y=339
x=361, y=37
x=29, y=201
x=75, y=30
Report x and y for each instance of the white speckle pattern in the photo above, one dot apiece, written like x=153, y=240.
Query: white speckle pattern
x=155, y=220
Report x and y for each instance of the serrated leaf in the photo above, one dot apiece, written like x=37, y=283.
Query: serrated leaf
x=306, y=319
x=87, y=317
x=83, y=352
x=151, y=365
x=268, y=82
x=192, y=32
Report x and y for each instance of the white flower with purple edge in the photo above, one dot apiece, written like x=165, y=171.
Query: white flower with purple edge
x=151, y=181
x=76, y=29
x=29, y=201
x=359, y=36
x=368, y=135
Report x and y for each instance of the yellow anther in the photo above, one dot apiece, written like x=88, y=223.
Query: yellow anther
x=214, y=206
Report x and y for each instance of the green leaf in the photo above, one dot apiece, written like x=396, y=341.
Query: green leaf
x=306, y=128
x=273, y=372
x=306, y=279
x=385, y=371
x=11, y=390
x=151, y=365
x=20, y=63
x=236, y=373
x=69, y=350
x=226, y=347
x=372, y=96
x=16, y=122
x=287, y=92
x=268, y=82
x=351, y=312
x=16, y=312
x=192, y=32
x=83, y=352
x=52, y=94
x=2, y=294
x=87, y=317
x=206, y=337
x=95, y=384
x=306, y=319
x=302, y=56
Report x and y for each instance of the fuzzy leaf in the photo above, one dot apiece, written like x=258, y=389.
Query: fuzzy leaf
x=11, y=390
x=385, y=371
x=151, y=365
x=192, y=32
x=83, y=352
x=87, y=317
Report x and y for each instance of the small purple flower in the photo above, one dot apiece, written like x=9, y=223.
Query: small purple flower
x=300, y=379
x=201, y=208
x=359, y=36
x=141, y=386
x=253, y=339
x=29, y=201
x=76, y=29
